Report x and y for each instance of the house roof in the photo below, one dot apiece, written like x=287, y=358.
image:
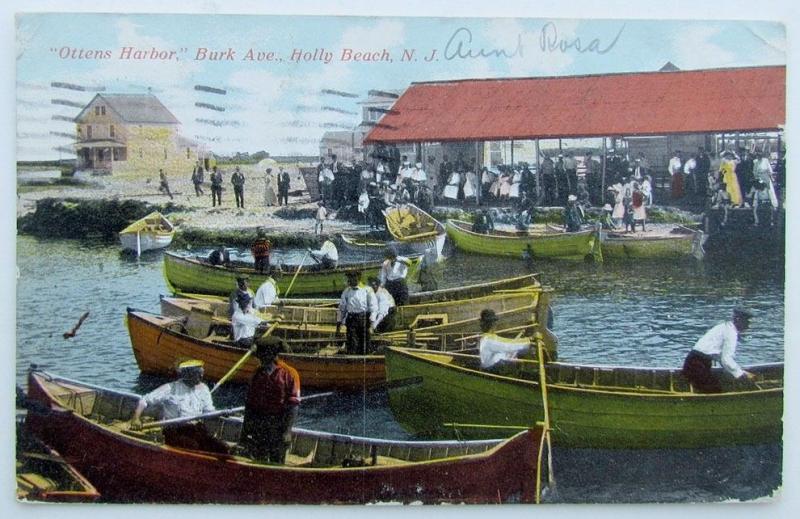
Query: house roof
x=644, y=103
x=134, y=108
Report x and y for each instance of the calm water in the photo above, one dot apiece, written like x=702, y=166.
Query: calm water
x=640, y=315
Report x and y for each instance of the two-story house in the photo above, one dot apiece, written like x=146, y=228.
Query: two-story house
x=132, y=133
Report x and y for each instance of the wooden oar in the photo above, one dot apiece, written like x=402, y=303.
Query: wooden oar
x=299, y=267
x=546, y=434
x=221, y=412
x=244, y=358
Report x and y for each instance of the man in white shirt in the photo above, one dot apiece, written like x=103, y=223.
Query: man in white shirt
x=327, y=254
x=245, y=323
x=719, y=343
x=357, y=308
x=495, y=349
x=185, y=397
x=267, y=293
x=393, y=276
x=383, y=320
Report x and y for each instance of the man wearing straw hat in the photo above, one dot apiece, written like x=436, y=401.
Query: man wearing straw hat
x=185, y=397
x=357, y=308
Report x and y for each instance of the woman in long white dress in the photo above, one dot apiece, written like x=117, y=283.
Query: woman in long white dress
x=451, y=189
x=515, y=183
x=471, y=185
x=270, y=198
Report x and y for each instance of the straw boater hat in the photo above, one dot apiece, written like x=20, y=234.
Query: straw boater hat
x=191, y=363
x=607, y=207
x=571, y=198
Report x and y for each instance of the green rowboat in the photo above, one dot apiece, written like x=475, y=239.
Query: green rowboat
x=572, y=245
x=590, y=406
x=191, y=275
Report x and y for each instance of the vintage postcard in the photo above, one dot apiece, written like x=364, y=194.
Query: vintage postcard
x=317, y=259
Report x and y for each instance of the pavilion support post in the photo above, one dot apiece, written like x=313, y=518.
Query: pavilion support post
x=559, y=146
x=603, y=177
x=512, y=152
x=538, y=172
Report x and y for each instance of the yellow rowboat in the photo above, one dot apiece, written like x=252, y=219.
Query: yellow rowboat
x=571, y=245
x=413, y=227
x=153, y=231
x=407, y=317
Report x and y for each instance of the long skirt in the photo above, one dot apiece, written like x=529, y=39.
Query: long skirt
x=677, y=185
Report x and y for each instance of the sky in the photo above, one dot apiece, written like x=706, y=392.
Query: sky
x=280, y=106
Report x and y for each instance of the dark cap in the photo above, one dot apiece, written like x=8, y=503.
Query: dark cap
x=742, y=313
x=243, y=298
x=489, y=316
x=269, y=346
x=353, y=274
x=242, y=277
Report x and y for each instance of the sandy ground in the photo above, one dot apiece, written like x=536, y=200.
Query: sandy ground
x=199, y=212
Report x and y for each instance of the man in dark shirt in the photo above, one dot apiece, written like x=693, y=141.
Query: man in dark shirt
x=197, y=179
x=216, y=187
x=283, y=187
x=237, y=179
x=260, y=251
x=219, y=256
x=271, y=406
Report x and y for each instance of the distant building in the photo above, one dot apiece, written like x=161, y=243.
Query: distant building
x=348, y=146
x=132, y=133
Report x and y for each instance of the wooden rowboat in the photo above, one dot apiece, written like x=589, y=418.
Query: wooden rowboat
x=191, y=275
x=88, y=423
x=406, y=317
x=160, y=342
x=415, y=228
x=153, y=231
x=657, y=244
x=590, y=406
x=573, y=245
x=444, y=294
x=44, y=475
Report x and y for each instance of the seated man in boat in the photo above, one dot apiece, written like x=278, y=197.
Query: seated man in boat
x=185, y=397
x=271, y=407
x=260, y=251
x=383, y=319
x=393, y=275
x=327, y=255
x=244, y=322
x=429, y=271
x=219, y=256
x=267, y=293
x=718, y=343
x=242, y=289
x=494, y=350
x=357, y=307
x=483, y=223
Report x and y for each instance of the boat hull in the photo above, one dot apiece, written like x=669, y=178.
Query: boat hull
x=158, y=349
x=579, y=416
x=148, y=241
x=187, y=275
x=414, y=228
x=570, y=246
x=665, y=247
x=130, y=469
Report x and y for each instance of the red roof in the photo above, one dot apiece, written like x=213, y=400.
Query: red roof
x=646, y=103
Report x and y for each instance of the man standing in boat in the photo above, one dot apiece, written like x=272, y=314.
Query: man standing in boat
x=244, y=322
x=572, y=215
x=272, y=403
x=356, y=311
x=494, y=350
x=261, y=250
x=393, y=276
x=383, y=320
x=183, y=398
x=267, y=293
x=718, y=343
